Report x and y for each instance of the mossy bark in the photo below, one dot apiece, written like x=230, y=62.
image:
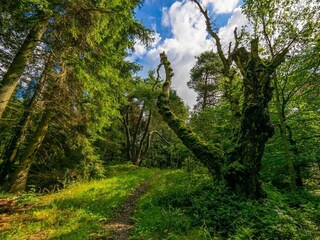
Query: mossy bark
x=241, y=166
x=255, y=128
x=19, y=179
x=21, y=60
x=209, y=155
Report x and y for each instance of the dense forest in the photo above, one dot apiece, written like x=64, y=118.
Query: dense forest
x=79, y=125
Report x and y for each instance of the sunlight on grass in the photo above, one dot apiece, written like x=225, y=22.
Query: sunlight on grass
x=78, y=211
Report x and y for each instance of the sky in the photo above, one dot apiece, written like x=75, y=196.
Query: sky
x=180, y=31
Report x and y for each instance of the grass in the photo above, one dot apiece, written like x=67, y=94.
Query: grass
x=185, y=206
x=78, y=212
x=178, y=205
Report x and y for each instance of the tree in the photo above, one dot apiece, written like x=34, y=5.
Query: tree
x=139, y=118
x=204, y=79
x=37, y=21
x=88, y=70
x=240, y=166
x=296, y=81
x=268, y=22
x=19, y=135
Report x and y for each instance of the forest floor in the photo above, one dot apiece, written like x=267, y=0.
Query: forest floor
x=138, y=203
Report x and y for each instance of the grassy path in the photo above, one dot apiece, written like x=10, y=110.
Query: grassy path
x=141, y=204
x=121, y=224
x=81, y=211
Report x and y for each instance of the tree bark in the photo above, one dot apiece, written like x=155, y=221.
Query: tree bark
x=19, y=136
x=255, y=126
x=241, y=166
x=19, y=179
x=21, y=60
x=209, y=155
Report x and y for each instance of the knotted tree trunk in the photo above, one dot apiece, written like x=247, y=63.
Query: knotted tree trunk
x=244, y=160
x=239, y=167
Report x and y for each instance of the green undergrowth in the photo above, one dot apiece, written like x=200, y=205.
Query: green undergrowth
x=185, y=206
x=78, y=212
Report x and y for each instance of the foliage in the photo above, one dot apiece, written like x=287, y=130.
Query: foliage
x=185, y=205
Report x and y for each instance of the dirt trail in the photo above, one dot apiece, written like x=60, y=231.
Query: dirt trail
x=121, y=223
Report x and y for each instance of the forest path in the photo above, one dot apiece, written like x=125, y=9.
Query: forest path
x=121, y=223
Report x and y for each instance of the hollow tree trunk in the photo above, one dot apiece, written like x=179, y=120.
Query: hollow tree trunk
x=19, y=136
x=19, y=179
x=21, y=60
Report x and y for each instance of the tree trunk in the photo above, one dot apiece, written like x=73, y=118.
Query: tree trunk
x=19, y=136
x=255, y=129
x=295, y=151
x=284, y=139
x=241, y=167
x=21, y=60
x=19, y=179
x=209, y=155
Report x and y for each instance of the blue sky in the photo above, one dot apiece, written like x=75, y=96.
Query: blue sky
x=179, y=29
x=151, y=15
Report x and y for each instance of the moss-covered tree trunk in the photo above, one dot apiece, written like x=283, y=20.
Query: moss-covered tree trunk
x=209, y=155
x=21, y=60
x=244, y=160
x=240, y=167
x=19, y=179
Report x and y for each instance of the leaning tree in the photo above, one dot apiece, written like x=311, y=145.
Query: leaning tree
x=239, y=166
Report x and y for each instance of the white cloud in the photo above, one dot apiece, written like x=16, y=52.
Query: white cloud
x=165, y=21
x=221, y=6
x=237, y=20
x=189, y=39
x=139, y=49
